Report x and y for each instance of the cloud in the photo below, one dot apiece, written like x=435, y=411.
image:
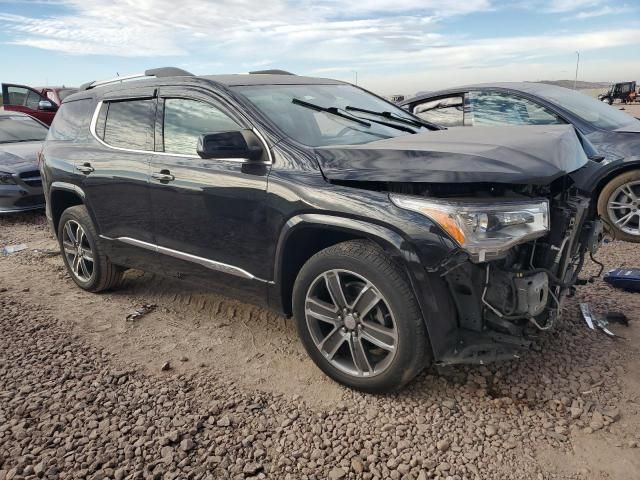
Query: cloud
x=307, y=36
x=161, y=28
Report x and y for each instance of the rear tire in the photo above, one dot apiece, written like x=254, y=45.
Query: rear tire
x=86, y=263
x=358, y=318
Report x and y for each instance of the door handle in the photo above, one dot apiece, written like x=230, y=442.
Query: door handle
x=163, y=176
x=85, y=168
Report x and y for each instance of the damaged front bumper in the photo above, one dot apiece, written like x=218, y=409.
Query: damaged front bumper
x=501, y=304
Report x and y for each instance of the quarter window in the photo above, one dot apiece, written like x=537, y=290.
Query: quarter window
x=185, y=120
x=128, y=124
x=493, y=108
x=448, y=112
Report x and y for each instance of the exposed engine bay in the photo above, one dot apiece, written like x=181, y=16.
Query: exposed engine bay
x=527, y=286
x=501, y=299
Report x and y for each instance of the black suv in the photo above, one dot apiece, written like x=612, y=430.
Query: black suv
x=392, y=245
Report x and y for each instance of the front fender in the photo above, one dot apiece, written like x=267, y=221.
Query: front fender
x=431, y=291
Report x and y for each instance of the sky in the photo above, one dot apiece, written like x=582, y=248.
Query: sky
x=392, y=46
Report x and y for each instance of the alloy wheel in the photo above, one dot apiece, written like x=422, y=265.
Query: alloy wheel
x=351, y=323
x=77, y=251
x=624, y=208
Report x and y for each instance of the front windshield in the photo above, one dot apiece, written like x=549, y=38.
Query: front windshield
x=317, y=128
x=21, y=129
x=593, y=111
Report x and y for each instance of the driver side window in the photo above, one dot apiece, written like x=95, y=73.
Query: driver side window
x=185, y=120
x=496, y=108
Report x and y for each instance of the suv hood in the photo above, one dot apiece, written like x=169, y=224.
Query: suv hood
x=516, y=155
x=14, y=157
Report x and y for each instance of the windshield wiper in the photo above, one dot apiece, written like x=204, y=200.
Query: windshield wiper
x=391, y=116
x=331, y=110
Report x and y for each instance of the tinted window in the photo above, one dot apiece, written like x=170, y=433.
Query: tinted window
x=17, y=95
x=448, y=112
x=70, y=120
x=129, y=124
x=20, y=129
x=493, y=108
x=185, y=120
x=32, y=100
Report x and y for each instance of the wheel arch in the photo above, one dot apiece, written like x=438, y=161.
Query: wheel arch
x=434, y=299
x=305, y=235
x=62, y=196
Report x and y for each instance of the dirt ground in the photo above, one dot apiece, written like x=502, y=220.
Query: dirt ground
x=568, y=410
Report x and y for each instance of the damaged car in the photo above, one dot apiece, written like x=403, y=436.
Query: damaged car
x=21, y=138
x=393, y=244
x=614, y=134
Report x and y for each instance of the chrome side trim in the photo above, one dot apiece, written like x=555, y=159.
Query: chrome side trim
x=92, y=130
x=205, y=262
x=67, y=186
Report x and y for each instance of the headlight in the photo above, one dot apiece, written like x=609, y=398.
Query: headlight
x=483, y=229
x=6, y=179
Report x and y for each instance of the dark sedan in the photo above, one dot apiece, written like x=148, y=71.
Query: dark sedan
x=614, y=133
x=21, y=138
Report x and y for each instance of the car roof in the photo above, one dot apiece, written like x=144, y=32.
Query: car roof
x=224, y=81
x=533, y=88
x=234, y=80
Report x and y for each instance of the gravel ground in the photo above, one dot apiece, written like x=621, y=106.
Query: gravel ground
x=83, y=395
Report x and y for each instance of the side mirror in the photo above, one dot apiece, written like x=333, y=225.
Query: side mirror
x=47, y=106
x=242, y=144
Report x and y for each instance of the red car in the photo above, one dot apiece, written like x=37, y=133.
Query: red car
x=39, y=102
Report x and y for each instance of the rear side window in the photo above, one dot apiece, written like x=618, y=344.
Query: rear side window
x=493, y=108
x=70, y=121
x=127, y=124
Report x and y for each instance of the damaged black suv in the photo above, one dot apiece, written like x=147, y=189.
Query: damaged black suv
x=392, y=245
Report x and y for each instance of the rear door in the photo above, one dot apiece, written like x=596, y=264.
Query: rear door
x=210, y=214
x=115, y=174
x=20, y=98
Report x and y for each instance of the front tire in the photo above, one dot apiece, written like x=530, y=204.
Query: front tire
x=86, y=263
x=619, y=206
x=358, y=318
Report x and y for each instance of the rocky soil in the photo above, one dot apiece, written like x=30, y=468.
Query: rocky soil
x=83, y=392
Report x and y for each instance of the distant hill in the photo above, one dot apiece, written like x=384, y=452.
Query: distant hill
x=579, y=84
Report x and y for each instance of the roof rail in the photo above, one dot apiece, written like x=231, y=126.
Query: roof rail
x=271, y=72
x=154, y=72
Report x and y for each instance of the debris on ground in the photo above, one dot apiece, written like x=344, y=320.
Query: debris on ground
x=617, y=317
x=166, y=366
x=624, y=278
x=9, y=249
x=141, y=311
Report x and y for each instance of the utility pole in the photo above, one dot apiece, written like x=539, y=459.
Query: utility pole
x=577, y=63
x=356, y=74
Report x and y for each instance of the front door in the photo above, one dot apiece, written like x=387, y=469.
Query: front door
x=19, y=98
x=209, y=214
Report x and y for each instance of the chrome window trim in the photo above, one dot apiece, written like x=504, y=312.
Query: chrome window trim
x=205, y=262
x=92, y=130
